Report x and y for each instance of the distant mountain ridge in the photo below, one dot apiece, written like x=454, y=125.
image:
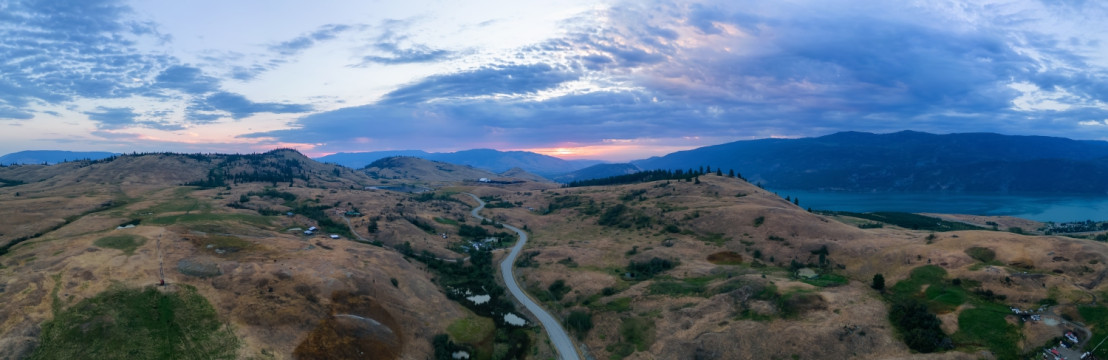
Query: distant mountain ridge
x=51, y=156
x=905, y=161
x=909, y=161
x=488, y=159
x=596, y=172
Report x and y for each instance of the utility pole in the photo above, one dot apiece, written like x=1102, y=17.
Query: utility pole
x=161, y=261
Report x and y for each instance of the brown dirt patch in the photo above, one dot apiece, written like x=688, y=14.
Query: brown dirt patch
x=725, y=258
x=358, y=327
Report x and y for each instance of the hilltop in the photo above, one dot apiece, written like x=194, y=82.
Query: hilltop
x=422, y=171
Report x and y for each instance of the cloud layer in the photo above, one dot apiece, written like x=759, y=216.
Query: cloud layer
x=688, y=70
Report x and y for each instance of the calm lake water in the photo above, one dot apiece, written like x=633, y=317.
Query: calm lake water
x=1058, y=208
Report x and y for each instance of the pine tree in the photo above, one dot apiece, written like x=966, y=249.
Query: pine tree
x=878, y=282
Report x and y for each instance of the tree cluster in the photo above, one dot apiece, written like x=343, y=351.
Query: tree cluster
x=920, y=328
x=652, y=175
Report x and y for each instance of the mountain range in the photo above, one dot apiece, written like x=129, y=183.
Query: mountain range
x=905, y=161
x=909, y=161
x=488, y=159
x=51, y=156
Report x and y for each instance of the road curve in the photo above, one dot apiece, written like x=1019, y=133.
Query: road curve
x=558, y=336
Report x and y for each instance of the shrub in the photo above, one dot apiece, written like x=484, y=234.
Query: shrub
x=648, y=269
x=580, y=322
x=981, y=254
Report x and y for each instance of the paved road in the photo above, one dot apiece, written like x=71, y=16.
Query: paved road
x=558, y=336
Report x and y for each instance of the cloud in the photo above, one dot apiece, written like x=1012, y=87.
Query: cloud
x=671, y=70
x=113, y=118
x=303, y=42
x=488, y=80
x=392, y=48
x=14, y=114
x=413, y=54
x=187, y=79
x=56, y=51
x=237, y=106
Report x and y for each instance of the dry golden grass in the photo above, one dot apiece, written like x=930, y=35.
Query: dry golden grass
x=713, y=221
x=273, y=290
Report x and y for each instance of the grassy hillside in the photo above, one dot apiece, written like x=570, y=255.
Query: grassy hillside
x=677, y=268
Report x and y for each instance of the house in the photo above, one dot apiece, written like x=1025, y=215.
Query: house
x=308, y=232
x=313, y=228
x=290, y=213
x=333, y=236
x=484, y=180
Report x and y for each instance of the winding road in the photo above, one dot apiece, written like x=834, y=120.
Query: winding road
x=558, y=336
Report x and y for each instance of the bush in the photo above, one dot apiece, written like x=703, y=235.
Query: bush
x=981, y=254
x=558, y=289
x=920, y=328
x=579, y=322
x=648, y=269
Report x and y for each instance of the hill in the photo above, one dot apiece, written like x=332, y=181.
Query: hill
x=241, y=278
x=487, y=159
x=413, y=169
x=909, y=161
x=51, y=156
x=358, y=160
x=597, y=171
x=681, y=269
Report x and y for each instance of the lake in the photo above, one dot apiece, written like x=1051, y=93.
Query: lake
x=1057, y=208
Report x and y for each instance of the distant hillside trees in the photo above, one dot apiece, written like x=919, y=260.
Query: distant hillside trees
x=236, y=169
x=650, y=175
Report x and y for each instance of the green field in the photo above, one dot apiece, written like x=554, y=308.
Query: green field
x=986, y=327
x=133, y=323
x=983, y=325
x=257, y=220
x=127, y=243
x=1096, y=318
x=446, y=221
x=907, y=220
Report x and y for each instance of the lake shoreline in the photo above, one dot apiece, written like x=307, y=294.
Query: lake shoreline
x=1043, y=208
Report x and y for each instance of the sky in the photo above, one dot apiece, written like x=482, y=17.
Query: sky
x=608, y=80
